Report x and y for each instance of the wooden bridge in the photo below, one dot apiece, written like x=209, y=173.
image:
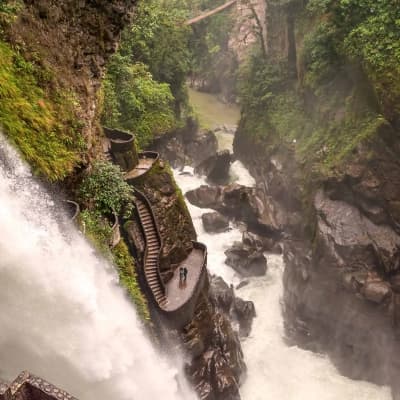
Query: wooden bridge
x=211, y=12
x=174, y=299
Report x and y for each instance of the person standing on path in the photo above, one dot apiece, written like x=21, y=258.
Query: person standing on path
x=181, y=276
x=185, y=273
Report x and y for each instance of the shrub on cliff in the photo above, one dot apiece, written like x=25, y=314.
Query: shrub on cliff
x=135, y=102
x=104, y=189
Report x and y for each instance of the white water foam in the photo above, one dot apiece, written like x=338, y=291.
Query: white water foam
x=275, y=370
x=62, y=314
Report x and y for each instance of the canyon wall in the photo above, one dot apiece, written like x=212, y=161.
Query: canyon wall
x=325, y=153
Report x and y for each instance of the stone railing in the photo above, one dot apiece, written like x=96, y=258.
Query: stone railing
x=183, y=314
x=122, y=148
x=31, y=387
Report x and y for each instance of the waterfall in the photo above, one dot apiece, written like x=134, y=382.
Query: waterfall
x=63, y=315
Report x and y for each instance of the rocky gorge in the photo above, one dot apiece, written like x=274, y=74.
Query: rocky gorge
x=316, y=224
x=335, y=200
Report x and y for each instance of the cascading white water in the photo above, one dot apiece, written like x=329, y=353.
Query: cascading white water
x=62, y=314
x=275, y=370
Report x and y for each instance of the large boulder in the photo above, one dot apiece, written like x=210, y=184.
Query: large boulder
x=205, y=196
x=242, y=312
x=216, y=168
x=259, y=242
x=215, y=222
x=200, y=146
x=237, y=201
x=246, y=260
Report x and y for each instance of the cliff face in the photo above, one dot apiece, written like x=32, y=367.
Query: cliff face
x=72, y=40
x=325, y=155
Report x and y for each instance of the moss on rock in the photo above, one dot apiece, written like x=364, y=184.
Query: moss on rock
x=174, y=221
x=41, y=123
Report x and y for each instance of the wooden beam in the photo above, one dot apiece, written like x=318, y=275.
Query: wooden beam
x=212, y=12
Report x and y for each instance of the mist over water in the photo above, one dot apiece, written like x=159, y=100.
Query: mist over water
x=62, y=314
x=275, y=370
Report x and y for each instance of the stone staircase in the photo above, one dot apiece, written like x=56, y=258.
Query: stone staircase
x=153, y=248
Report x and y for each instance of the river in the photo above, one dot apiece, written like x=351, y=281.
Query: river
x=276, y=371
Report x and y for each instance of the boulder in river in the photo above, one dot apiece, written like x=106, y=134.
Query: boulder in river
x=214, y=222
x=236, y=201
x=245, y=260
x=216, y=168
x=205, y=196
x=241, y=311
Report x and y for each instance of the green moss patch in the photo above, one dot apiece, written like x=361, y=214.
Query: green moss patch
x=41, y=123
x=128, y=278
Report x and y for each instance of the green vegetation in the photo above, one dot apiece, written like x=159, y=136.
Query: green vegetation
x=8, y=11
x=128, y=278
x=144, y=89
x=42, y=123
x=212, y=61
x=98, y=230
x=348, y=91
x=104, y=189
x=366, y=33
x=135, y=102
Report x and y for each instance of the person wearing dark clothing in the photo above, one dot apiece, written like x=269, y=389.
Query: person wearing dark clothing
x=181, y=276
x=185, y=272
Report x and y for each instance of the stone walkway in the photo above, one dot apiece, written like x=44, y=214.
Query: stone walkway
x=172, y=296
x=145, y=163
x=179, y=294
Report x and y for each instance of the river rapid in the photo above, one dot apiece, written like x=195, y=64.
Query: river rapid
x=276, y=370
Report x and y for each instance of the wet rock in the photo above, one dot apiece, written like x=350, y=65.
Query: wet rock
x=240, y=311
x=354, y=238
x=201, y=146
x=218, y=370
x=246, y=260
x=376, y=291
x=222, y=294
x=216, y=168
x=245, y=313
x=259, y=242
x=236, y=201
x=186, y=146
x=215, y=222
x=204, y=196
x=395, y=283
x=243, y=283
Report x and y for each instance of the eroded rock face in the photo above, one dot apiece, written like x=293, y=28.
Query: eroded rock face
x=189, y=146
x=217, y=365
x=341, y=281
x=215, y=222
x=239, y=202
x=245, y=260
x=74, y=39
x=216, y=167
